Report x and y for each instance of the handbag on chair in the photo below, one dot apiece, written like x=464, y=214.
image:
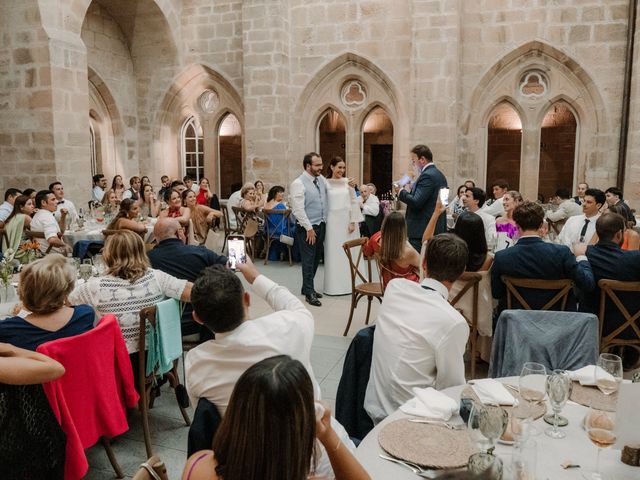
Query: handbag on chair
x=286, y=239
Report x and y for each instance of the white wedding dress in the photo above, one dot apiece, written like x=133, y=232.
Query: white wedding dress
x=343, y=209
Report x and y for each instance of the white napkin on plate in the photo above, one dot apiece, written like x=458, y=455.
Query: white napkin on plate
x=491, y=391
x=587, y=375
x=430, y=403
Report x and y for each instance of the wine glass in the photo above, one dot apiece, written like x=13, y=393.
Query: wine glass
x=558, y=387
x=600, y=427
x=532, y=386
x=608, y=373
x=487, y=423
x=98, y=262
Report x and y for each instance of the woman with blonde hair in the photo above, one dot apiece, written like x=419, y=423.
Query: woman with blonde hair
x=505, y=223
x=249, y=198
x=398, y=259
x=110, y=201
x=43, y=290
x=202, y=217
x=127, y=218
x=129, y=285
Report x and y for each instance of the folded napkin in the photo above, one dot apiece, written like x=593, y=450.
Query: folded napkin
x=430, y=403
x=490, y=391
x=94, y=232
x=587, y=375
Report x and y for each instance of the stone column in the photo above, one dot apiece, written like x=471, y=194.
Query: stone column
x=265, y=42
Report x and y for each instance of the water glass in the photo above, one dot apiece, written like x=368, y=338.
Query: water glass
x=558, y=388
x=608, y=373
x=86, y=270
x=488, y=466
x=486, y=424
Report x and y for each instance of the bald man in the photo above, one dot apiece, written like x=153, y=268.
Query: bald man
x=172, y=256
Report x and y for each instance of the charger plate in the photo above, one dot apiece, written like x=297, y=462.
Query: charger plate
x=538, y=409
x=593, y=397
x=430, y=446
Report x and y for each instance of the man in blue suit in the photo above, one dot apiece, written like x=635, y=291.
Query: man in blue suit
x=533, y=258
x=421, y=200
x=609, y=261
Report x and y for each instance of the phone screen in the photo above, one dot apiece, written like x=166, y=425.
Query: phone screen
x=235, y=247
x=444, y=196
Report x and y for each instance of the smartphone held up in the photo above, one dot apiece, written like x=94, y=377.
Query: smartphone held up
x=237, y=251
x=444, y=196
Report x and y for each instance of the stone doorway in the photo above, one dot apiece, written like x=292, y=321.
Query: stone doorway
x=332, y=138
x=504, y=145
x=229, y=154
x=377, y=150
x=557, y=150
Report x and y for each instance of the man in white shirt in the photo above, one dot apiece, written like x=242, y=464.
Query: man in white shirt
x=99, y=187
x=134, y=192
x=9, y=198
x=495, y=208
x=63, y=204
x=567, y=207
x=473, y=200
x=188, y=182
x=581, y=228
x=370, y=206
x=44, y=221
x=420, y=338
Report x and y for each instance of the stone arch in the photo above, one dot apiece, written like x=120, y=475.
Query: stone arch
x=326, y=148
x=181, y=101
x=105, y=118
x=567, y=81
x=380, y=178
x=324, y=89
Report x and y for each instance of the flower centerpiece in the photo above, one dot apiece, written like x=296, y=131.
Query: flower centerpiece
x=29, y=251
x=6, y=271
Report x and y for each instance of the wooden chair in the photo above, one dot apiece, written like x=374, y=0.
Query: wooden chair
x=367, y=288
x=145, y=383
x=281, y=226
x=556, y=227
x=609, y=293
x=471, y=281
x=563, y=288
x=228, y=230
x=39, y=236
x=247, y=225
x=4, y=239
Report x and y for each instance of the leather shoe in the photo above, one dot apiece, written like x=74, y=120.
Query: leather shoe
x=319, y=295
x=313, y=300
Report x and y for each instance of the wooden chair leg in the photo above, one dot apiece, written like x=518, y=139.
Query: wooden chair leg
x=112, y=457
x=144, y=411
x=366, y=320
x=289, y=249
x=353, y=307
x=173, y=383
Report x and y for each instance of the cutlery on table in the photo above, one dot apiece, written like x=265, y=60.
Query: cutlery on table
x=417, y=469
x=450, y=426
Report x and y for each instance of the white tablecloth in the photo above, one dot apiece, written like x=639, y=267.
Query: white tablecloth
x=93, y=231
x=550, y=454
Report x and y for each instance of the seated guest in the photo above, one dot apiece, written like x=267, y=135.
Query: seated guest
x=129, y=285
x=99, y=187
x=420, y=338
x=469, y=184
x=144, y=180
x=398, y=259
x=7, y=206
x=110, y=202
x=506, y=223
x=275, y=199
x=609, y=261
x=204, y=193
x=16, y=223
x=580, y=191
x=278, y=443
x=470, y=228
x=249, y=201
x=187, y=262
x=166, y=187
x=127, y=218
x=190, y=184
x=495, y=207
x=533, y=258
x=202, y=216
x=149, y=204
x=567, y=207
x=43, y=290
x=44, y=221
x=26, y=420
x=582, y=228
x=261, y=197
x=614, y=197
x=176, y=209
x=134, y=192
x=631, y=239
x=117, y=185
x=63, y=204
x=234, y=201
x=473, y=200
x=30, y=192
x=456, y=207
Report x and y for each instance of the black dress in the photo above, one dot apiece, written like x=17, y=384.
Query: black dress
x=32, y=443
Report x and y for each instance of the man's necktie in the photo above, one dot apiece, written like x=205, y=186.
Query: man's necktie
x=584, y=229
x=315, y=182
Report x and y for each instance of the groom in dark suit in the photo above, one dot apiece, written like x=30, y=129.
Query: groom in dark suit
x=421, y=200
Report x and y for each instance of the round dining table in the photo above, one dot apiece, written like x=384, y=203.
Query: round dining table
x=92, y=230
x=575, y=448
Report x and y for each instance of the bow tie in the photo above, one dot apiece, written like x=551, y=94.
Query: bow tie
x=60, y=202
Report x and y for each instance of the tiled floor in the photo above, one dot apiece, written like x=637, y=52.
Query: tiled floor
x=169, y=433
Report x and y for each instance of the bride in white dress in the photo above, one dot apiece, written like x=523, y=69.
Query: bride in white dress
x=343, y=222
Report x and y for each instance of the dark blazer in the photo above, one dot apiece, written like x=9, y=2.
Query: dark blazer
x=533, y=258
x=609, y=261
x=421, y=202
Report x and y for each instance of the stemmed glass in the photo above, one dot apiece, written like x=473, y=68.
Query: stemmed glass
x=487, y=423
x=600, y=427
x=608, y=373
x=532, y=386
x=558, y=386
